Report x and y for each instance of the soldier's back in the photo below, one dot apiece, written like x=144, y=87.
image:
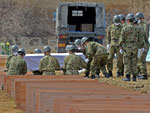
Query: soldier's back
x=48, y=64
x=73, y=62
x=131, y=37
x=17, y=64
x=97, y=49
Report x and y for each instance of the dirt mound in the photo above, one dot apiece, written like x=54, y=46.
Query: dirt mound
x=7, y=104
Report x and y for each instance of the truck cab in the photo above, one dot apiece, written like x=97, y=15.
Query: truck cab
x=75, y=20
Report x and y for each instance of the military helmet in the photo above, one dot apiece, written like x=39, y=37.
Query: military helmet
x=122, y=17
x=116, y=19
x=37, y=50
x=70, y=47
x=14, y=48
x=130, y=16
x=139, y=15
x=83, y=40
x=21, y=50
x=77, y=42
x=46, y=48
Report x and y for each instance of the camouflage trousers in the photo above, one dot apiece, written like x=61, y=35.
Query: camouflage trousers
x=115, y=49
x=48, y=73
x=130, y=62
x=98, y=63
x=88, y=65
x=71, y=72
x=142, y=68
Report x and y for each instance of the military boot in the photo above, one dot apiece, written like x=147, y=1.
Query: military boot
x=127, y=78
x=92, y=77
x=97, y=76
x=134, y=78
x=118, y=74
x=106, y=75
x=122, y=73
x=110, y=74
x=86, y=75
x=143, y=77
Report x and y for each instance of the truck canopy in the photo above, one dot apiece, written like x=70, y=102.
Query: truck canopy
x=69, y=17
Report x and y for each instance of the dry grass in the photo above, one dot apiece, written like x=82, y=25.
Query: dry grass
x=7, y=104
x=141, y=85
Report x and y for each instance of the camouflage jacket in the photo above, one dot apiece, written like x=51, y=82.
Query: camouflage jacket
x=48, y=64
x=74, y=62
x=8, y=60
x=130, y=38
x=113, y=34
x=95, y=49
x=146, y=33
x=17, y=66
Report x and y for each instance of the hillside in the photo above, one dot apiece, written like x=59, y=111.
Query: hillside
x=28, y=23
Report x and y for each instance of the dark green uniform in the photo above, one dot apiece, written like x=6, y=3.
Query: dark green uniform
x=72, y=64
x=48, y=65
x=98, y=54
x=113, y=36
x=17, y=66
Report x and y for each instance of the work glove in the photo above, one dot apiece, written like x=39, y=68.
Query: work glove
x=121, y=51
x=87, y=60
x=108, y=47
x=81, y=71
x=143, y=49
x=140, y=52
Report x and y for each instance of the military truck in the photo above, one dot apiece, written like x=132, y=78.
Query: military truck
x=75, y=20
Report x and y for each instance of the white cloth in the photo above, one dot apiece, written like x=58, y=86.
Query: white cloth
x=33, y=60
x=140, y=52
x=143, y=49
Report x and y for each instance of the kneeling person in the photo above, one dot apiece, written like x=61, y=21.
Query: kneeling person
x=17, y=64
x=48, y=64
x=73, y=63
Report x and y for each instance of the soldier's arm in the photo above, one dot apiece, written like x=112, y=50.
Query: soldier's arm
x=24, y=71
x=90, y=50
x=141, y=34
x=83, y=63
x=147, y=35
x=83, y=50
x=121, y=40
x=57, y=66
x=40, y=66
x=108, y=36
x=8, y=62
x=65, y=64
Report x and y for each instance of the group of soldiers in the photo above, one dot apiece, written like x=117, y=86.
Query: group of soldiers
x=16, y=64
x=127, y=37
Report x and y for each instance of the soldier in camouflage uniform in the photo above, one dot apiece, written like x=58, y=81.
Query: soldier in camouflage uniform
x=142, y=60
x=113, y=35
x=37, y=72
x=122, y=19
x=83, y=50
x=48, y=64
x=129, y=42
x=17, y=64
x=14, y=49
x=98, y=54
x=73, y=63
x=37, y=51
